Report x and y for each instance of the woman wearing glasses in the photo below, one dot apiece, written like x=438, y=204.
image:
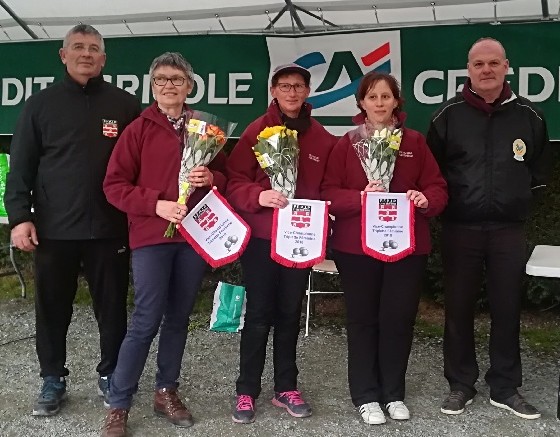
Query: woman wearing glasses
x=274, y=292
x=141, y=180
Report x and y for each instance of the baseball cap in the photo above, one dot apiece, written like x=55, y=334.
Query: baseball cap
x=292, y=68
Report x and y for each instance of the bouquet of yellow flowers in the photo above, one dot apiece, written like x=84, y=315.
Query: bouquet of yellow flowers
x=205, y=136
x=277, y=151
x=378, y=153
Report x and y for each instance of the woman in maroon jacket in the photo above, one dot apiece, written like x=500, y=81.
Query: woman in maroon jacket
x=274, y=292
x=381, y=297
x=142, y=180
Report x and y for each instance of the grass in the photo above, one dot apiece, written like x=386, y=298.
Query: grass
x=10, y=288
x=427, y=329
x=540, y=331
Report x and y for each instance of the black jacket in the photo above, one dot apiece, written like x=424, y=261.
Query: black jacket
x=58, y=158
x=475, y=151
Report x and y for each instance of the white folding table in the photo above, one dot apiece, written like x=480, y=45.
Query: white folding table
x=545, y=261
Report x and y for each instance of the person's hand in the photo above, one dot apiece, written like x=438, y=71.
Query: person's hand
x=171, y=211
x=24, y=236
x=418, y=198
x=374, y=186
x=201, y=177
x=272, y=199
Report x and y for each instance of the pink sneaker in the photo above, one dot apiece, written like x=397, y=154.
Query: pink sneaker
x=244, y=409
x=293, y=403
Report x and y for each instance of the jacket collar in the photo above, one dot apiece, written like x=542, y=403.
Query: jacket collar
x=473, y=99
x=276, y=112
x=92, y=84
x=154, y=114
x=301, y=124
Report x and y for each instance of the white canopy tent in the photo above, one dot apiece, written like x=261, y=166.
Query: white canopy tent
x=34, y=19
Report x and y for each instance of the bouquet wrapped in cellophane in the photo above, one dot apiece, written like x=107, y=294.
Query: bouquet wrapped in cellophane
x=205, y=135
x=377, y=152
x=277, y=151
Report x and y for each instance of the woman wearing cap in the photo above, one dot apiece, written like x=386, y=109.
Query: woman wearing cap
x=274, y=292
x=141, y=180
x=381, y=297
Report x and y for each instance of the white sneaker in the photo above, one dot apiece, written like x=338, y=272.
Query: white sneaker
x=398, y=411
x=372, y=413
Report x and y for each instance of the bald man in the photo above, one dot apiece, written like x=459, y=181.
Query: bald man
x=493, y=150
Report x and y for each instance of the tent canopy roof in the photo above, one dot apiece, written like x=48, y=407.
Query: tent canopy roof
x=31, y=19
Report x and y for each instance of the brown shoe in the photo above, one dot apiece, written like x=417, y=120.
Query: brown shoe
x=115, y=423
x=167, y=404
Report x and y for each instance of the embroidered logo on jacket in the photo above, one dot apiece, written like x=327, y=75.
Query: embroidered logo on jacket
x=314, y=158
x=405, y=154
x=110, y=128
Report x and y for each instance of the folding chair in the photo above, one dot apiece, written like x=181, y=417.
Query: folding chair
x=327, y=267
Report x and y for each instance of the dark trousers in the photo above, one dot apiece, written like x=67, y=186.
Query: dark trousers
x=167, y=278
x=105, y=264
x=466, y=253
x=274, y=296
x=381, y=305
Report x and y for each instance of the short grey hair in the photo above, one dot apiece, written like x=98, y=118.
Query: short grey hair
x=484, y=39
x=84, y=29
x=175, y=60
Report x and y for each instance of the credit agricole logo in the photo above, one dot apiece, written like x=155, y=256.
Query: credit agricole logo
x=337, y=64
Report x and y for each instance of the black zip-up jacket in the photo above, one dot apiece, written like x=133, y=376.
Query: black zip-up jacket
x=475, y=152
x=58, y=158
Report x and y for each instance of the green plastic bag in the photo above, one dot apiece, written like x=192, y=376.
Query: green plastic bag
x=228, y=311
x=4, y=168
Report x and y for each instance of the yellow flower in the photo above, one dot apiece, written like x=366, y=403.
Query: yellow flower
x=265, y=133
x=283, y=131
x=395, y=140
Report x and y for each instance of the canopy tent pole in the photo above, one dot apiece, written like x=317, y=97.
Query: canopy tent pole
x=545, y=12
x=18, y=20
x=275, y=19
x=305, y=11
x=294, y=15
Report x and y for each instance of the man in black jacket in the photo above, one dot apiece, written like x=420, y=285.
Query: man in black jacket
x=56, y=207
x=493, y=150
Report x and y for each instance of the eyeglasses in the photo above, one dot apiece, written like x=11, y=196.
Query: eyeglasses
x=287, y=87
x=162, y=81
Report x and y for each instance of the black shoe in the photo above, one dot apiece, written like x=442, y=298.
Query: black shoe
x=103, y=385
x=52, y=394
x=518, y=406
x=455, y=402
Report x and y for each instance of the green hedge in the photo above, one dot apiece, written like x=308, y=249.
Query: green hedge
x=543, y=228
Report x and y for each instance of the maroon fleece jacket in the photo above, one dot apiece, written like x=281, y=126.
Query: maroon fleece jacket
x=415, y=169
x=246, y=180
x=143, y=169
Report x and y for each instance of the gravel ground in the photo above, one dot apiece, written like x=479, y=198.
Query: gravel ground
x=209, y=372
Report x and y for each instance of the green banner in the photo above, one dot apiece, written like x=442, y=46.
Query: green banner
x=435, y=62
x=232, y=71
x=233, y=86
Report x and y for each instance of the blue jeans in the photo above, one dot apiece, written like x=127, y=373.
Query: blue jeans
x=167, y=278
